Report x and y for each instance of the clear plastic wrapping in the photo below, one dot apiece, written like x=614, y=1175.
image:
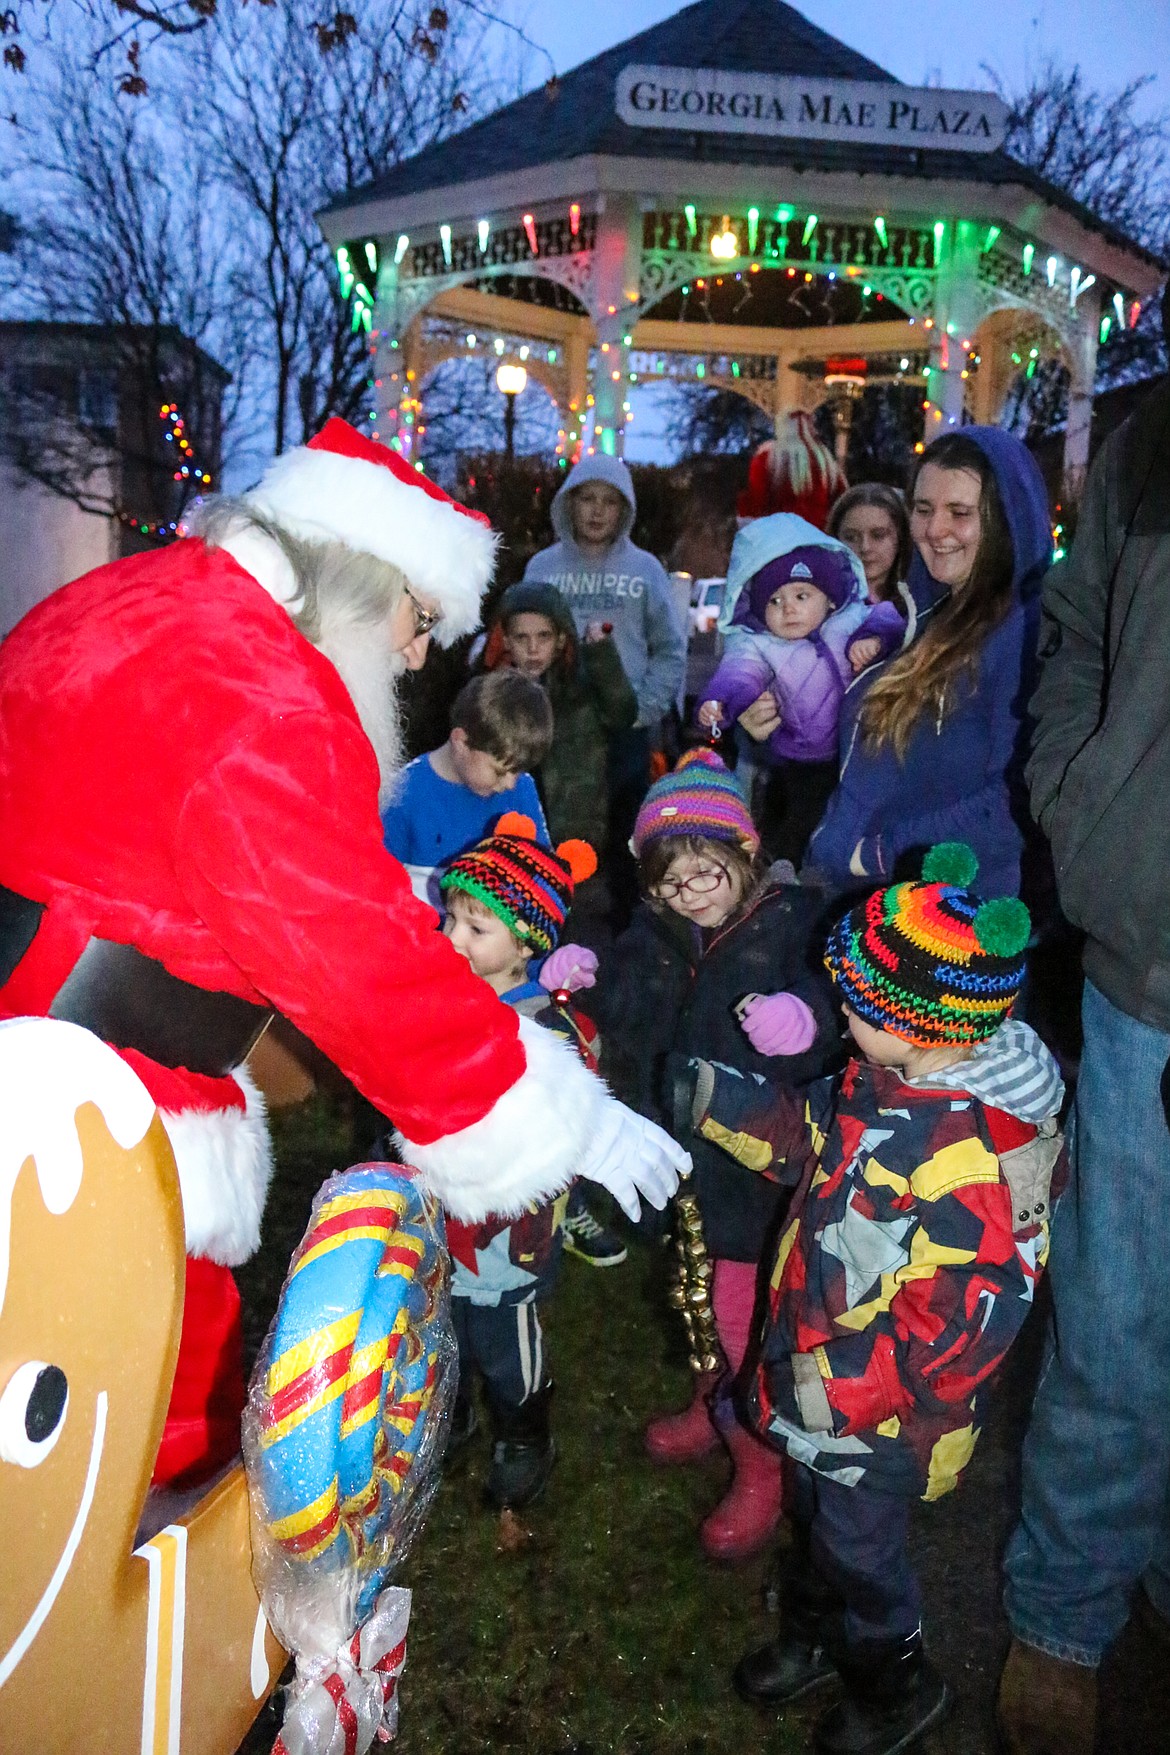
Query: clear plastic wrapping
x=347, y=1419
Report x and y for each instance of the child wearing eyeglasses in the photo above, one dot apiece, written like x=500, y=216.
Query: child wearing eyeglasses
x=719, y=963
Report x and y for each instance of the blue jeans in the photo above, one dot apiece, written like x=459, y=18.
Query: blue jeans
x=1095, y=1517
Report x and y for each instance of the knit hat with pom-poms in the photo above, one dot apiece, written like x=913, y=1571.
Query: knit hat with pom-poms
x=527, y=886
x=929, y=961
x=698, y=797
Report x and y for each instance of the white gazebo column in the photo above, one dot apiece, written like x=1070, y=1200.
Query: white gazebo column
x=956, y=313
x=614, y=293
x=577, y=371
x=1082, y=362
x=392, y=390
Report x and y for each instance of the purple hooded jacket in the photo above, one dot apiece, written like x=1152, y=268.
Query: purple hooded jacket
x=807, y=677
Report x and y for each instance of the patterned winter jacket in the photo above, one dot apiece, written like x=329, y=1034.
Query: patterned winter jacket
x=509, y=1261
x=914, y=1241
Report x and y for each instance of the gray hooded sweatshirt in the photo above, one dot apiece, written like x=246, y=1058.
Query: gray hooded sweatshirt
x=627, y=588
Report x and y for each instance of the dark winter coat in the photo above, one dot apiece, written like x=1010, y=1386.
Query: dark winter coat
x=590, y=696
x=908, y=1259
x=662, y=991
x=962, y=776
x=1100, y=766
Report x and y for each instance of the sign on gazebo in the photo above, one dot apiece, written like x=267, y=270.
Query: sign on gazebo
x=866, y=112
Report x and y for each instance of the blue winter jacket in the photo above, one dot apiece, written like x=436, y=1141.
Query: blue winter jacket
x=962, y=776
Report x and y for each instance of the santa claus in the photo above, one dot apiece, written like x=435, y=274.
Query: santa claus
x=193, y=744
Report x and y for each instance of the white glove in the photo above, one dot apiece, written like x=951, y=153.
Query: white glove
x=632, y=1156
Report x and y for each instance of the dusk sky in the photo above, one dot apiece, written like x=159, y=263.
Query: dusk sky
x=919, y=40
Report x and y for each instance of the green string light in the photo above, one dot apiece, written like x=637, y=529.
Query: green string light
x=879, y=226
x=940, y=227
x=993, y=232
x=810, y=226
x=372, y=255
x=691, y=219
x=400, y=248
x=753, y=219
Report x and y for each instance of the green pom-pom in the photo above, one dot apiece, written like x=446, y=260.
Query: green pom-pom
x=1002, y=928
x=950, y=862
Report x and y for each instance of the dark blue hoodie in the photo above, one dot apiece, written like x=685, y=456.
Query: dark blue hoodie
x=961, y=779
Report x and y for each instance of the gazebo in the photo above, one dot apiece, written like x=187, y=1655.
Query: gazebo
x=733, y=196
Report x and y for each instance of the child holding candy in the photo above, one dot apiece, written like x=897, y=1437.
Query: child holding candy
x=506, y=901
x=716, y=938
x=916, y=1233
x=797, y=626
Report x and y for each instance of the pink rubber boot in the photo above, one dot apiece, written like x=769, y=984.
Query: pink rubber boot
x=744, y=1520
x=686, y=1436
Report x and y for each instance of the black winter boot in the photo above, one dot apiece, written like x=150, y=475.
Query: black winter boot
x=523, y=1452
x=798, y=1660
x=893, y=1696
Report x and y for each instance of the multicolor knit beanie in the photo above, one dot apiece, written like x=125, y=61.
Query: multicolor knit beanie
x=527, y=886
x=699, y=797
x=929, y=961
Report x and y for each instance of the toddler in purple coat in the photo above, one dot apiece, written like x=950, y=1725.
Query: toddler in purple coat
x=797, y=625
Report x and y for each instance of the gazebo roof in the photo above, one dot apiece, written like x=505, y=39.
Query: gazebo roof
x=575, y=118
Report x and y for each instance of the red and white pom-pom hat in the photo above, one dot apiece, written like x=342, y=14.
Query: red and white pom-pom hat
x=344, y=487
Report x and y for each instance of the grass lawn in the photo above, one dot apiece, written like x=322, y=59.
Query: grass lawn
x=594, y=1625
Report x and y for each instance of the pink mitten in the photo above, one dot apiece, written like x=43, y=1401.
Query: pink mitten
x=568, y=968
x=778, y=1023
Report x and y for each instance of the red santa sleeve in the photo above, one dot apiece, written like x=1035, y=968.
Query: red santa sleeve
x=279, y=852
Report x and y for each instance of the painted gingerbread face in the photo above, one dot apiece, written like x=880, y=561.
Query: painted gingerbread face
x=79, y=1120
x=91, y=1297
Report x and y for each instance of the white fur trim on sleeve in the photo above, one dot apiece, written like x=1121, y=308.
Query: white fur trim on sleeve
x=224, y=1159
x=529, y=1144
x=444, y=553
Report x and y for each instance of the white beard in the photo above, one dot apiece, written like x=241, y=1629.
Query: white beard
x=370, y=672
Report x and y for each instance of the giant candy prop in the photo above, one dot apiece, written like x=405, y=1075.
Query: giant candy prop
x=343, y=1434
x=109, y=1642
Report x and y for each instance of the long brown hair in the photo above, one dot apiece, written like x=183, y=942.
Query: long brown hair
x=924, y=678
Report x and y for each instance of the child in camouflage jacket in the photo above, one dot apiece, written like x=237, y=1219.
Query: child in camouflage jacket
x=916, y=1233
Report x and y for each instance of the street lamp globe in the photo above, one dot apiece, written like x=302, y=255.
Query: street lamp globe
x=510, y=378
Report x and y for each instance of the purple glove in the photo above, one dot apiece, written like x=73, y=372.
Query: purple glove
x=777, y=1023
x=568, y=969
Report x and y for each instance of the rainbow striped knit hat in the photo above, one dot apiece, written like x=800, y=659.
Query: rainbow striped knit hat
x=699, y=797
x=930, y=962
x=527, y=886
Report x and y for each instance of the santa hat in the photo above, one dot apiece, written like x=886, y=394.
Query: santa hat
x=343, y=487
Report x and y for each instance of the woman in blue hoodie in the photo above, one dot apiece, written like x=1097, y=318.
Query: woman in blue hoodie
x=932, y=739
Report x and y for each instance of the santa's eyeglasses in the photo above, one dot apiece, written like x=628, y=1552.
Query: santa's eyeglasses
x=424, y=619
x=702, y=883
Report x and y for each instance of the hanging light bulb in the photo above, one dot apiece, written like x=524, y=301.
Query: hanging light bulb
x=879, y=226
x=724, y=243
x=529, y=224
x=484, y=229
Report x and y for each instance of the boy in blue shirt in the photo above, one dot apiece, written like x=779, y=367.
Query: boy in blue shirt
x=447, y=800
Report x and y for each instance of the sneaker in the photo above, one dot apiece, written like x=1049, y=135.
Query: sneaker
x=518, y=1473
x=592, y=1241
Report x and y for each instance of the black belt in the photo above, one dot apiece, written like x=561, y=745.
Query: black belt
x=131, y=1001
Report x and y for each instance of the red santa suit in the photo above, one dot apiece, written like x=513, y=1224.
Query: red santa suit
x=184, y=774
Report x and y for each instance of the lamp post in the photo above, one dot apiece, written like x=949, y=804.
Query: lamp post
x=845, y=382
x=510, y=380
